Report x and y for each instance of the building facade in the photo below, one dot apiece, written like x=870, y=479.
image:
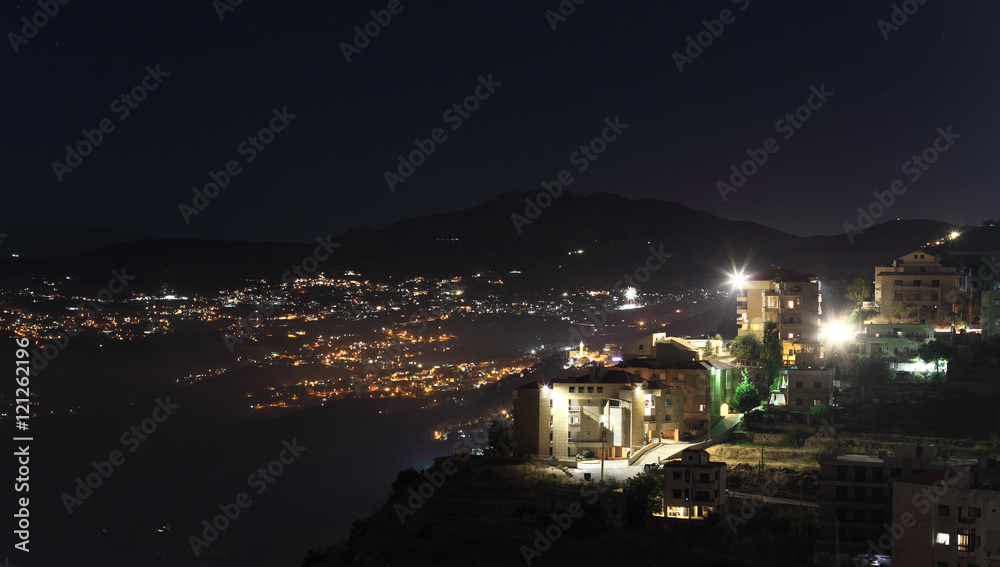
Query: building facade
x=948, y=517
x=694, y=486
x=855, y=495
x=608, y=411
x=809, y=387
x=790, y=299
x=917, y=280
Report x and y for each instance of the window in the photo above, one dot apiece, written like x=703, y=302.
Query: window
x=916, y=297
x=791, y=335
x=677, y=475
x=667, y=402
x=898, y=282
x=816, y=386
x=798, y=401
x=859, y=515
x=667, y=418
x=966, y=539
x=676, y=494
x=600, y=389
x=817, y=402
x=574, y=420
x=842, y=493
x=798, y=384
x=842, y=514
x=943, y=510
x=877, y=516
x=791, y=304
x=877, y=495
x=572, y=389
x=550, y=402
x=590, y=389
x=859, y=474
x=916, y=283
x=701, y=407
x=935, y=283
x=703, y=477
x=943, y=538
x=841, y=473
x=859, y=494
x=878, y=475
x=942, y=564
x=975, y=512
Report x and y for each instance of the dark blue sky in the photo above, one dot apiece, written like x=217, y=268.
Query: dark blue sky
x=324, y=171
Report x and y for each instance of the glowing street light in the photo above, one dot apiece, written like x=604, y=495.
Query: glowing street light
x=953, y=235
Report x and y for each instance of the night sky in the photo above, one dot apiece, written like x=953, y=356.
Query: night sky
x=220, y=82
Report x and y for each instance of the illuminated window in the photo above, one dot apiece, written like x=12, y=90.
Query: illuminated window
x=791, y=335
x=943, y=538
x=791, y=304
x=701, y=407
x=967, y=539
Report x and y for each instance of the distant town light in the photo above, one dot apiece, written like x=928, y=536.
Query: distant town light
x=953, y=235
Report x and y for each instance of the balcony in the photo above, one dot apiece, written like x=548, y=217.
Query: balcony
x=573, y=409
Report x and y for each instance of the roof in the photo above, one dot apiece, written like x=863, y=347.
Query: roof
x=935, y=475
x=597, y=376
x=779, y=274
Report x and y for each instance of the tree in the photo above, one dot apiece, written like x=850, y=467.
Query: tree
x=499, y=437
x=746, y=397
x=819, y=411
x=870, y=372
x=643, y=496
x=746, y=348
x=770, y=356
x=905, y=310
x=858, y=292
x=935, y=351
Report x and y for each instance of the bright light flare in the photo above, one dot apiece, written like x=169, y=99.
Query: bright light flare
x=839, y=332
x=953, y=235
x=738, y=279
x=631, y=293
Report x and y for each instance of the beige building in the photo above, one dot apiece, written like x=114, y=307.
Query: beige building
x=790, y=299
x=809, y=387
x=605, y=407
x=947, y=517
x=694, y=486
x=920, y=279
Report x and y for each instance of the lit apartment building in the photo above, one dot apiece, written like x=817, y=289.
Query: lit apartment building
x=948, y=517
x=920, y=279
x=708, y=385
x=790, y=299
x=694, y=486
x=855, y=495
x=899, y=340
x=565, y=416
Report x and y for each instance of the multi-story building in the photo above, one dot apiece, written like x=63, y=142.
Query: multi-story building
x=708, y=385
x=809, y=387
x=899, y=341
x=947, y=517
x=607, y=410
x=855, y=495
x=918, y=279
x=694, y=486
x=790, y=299
x=991, y=313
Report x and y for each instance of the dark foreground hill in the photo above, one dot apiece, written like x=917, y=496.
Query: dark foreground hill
x=500, y=512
